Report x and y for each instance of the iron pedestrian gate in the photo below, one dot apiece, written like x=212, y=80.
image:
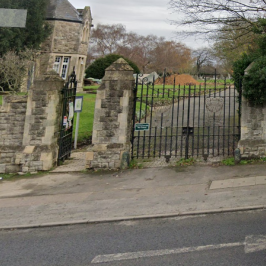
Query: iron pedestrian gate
x=67, y=122
x=185, y=121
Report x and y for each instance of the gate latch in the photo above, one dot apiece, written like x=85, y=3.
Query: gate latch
x=188, y=130
x=167, y=158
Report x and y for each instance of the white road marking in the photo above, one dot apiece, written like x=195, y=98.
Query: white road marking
x=162, y=252
x=251, y=244
x=255, y=243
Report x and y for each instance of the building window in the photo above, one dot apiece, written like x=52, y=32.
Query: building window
x=57, y=64
x=81, y=68
x=61, y=65
x=65, y=67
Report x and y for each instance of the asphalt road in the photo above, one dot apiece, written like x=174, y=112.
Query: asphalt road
x=221, y=239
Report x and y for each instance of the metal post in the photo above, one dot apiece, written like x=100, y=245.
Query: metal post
x=76, y=131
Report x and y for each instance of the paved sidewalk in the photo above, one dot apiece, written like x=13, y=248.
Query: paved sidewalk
x=68, y=198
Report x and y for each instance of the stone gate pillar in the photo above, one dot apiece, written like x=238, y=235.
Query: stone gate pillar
x=30, y=125
x=252, y=143
x=113, y=119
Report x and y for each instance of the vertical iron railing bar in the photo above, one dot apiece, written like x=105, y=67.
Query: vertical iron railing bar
x=215, y=82
x=219, y=126
x=172, y=123
x=188, y=117
x=183, y=111
x=151, y=111
x=139, y=118
x=218, y=149
x=177, y=119
x=145, y=120
x=194, y=107
x=213, y=132
x=166, y=136
x=161, y=132
x=135, y=95
x=155, y=138
x=224, y=122
x=173, y=114
x=229, y=122
x=199, y=96
x=234, y=117
x=208, y=145
x=164, y=76
x=61, y=126
x=204, y=113
x=213, y=129
x=174, y=87
x=239, y=108
x=73, y=100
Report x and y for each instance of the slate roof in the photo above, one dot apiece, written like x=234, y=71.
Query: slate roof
x=62, y=10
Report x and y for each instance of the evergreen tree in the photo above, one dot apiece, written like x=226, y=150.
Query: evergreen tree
x=97, y=68
x=35, y=32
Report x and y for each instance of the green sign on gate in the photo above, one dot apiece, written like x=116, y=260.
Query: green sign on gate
x=142, y=126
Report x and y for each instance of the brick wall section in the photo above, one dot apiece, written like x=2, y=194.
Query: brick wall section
x=29, y=127
x=112, y=118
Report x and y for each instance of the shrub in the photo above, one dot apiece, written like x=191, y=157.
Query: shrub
x=97, y=68
x=254, y=83
x=239, y=67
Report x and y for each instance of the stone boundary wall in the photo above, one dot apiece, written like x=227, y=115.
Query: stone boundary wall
x=252, y=143
x=253, y=131
x=29, y=127
x=113, y=119
x=12, y=119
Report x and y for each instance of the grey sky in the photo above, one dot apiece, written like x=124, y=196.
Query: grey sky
x=141, y=16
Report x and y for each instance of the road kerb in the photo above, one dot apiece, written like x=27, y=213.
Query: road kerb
x=131, y=218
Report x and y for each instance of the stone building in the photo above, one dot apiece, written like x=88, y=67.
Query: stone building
x=67, y=46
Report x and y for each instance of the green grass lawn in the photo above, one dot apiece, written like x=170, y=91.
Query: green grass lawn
x=91, y=89
x=86, y=117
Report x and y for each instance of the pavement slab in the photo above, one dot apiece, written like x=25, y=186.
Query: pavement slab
x=69, y=198
x=238, y=182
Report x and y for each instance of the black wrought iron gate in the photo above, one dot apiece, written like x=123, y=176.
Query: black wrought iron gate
x=66, y=127
x=185, y=121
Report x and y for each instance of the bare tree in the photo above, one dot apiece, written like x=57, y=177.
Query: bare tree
x=202, y=58
x=149, y=53
x=173, y=56
x=13, y=69
x=139, y=49
x=106, y=39
x=229, y=45
x=208, y=16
